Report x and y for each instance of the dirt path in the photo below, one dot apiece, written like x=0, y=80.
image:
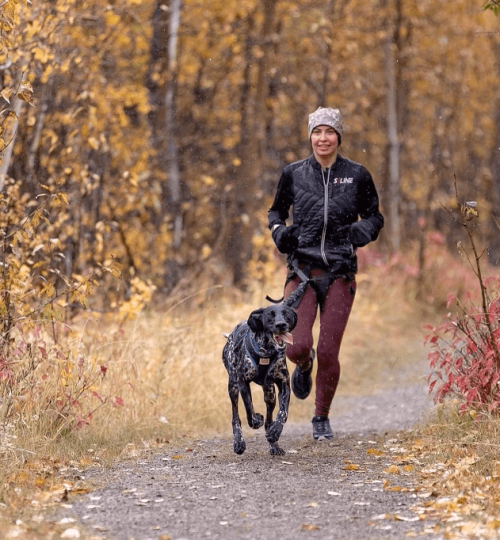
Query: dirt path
x=328, y=490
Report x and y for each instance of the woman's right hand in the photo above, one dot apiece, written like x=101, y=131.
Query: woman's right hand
x=286, y=238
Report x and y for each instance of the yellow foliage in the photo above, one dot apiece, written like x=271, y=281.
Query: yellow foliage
x=140, y=296
x=111, y=18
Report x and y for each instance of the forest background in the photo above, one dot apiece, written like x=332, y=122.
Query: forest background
x=152, y=134
x=141, y=145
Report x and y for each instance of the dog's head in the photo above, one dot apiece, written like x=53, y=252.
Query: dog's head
x=277, y=322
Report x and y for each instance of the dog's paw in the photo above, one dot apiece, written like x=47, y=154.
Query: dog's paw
x=240, y=446
x=274, y=432
x=276, y=450
x=257, y=421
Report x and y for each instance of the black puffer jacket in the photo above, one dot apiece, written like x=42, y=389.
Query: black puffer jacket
x=327, y=206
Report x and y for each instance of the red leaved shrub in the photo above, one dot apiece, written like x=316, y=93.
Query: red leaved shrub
x=464, y=354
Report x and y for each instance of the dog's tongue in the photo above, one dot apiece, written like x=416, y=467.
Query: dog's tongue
x=287, y=338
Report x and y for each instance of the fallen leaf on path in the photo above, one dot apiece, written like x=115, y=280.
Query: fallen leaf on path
x=392, y=469
x=351, y=467
x=307, y=527
x=374, y=452
x=80, y=491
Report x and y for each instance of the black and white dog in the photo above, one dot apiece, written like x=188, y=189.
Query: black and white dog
x=255, y=352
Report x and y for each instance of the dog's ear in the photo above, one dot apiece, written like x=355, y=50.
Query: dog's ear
x=255, y=320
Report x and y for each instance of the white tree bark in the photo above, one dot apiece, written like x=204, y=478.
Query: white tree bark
x=10, y=139
x=393, y=138
x=173, y=170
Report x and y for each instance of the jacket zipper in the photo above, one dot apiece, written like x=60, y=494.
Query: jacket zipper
x=325, y=215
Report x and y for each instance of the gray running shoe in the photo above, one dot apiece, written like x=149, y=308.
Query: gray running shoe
x=321, y=428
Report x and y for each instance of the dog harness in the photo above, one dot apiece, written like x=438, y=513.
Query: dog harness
x=259, y=356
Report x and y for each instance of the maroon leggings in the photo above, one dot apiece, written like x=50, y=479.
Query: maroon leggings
x=334, y=315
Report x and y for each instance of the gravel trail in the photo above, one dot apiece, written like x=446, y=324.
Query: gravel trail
x=329, y=490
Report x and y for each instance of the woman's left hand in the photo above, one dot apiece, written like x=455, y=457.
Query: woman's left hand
x=360, y=233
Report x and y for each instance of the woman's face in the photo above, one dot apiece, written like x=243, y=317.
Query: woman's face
x=324, y=141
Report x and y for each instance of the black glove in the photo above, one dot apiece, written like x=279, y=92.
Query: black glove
x=360, y=233
x=286, y=238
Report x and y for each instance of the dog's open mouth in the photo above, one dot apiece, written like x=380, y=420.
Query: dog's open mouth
x=282, y=338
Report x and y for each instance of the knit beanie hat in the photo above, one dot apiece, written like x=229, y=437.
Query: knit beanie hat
x=326, y=116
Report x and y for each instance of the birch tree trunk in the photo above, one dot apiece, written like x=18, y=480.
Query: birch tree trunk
x=393, y=139
x=173, y=170
x=161, y=80
x=10, y=139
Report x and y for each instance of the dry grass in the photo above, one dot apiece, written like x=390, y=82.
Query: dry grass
x=453, y=435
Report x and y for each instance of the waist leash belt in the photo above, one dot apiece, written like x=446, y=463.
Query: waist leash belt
x=303, y=278
x=320, y=284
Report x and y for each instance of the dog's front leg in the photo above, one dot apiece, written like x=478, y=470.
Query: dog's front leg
x=239, y=444
x=273, y=433
x=270, y=401
x=255, y=420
